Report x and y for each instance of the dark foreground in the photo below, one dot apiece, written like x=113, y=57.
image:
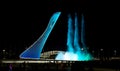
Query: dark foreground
x=111, y=65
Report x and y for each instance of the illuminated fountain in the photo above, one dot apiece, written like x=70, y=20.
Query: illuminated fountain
x=75, y=51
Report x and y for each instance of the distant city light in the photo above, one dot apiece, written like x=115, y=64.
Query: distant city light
x=3, y=50
x=101, y=49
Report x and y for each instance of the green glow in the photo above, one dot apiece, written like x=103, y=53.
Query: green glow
x=74, y=50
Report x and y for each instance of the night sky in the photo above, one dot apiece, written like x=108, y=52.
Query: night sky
x=22, y=23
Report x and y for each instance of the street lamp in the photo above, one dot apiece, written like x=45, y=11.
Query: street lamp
x=4, y=53
x=115, y=51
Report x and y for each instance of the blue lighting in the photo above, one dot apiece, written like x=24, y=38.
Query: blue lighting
x=70, y=35
x=34, y=51
x=76, y=35
x=83, y=32
x=74, y=50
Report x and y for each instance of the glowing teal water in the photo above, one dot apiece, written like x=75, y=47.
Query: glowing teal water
x=83, y=31
x=74, y=50
x=70, y=35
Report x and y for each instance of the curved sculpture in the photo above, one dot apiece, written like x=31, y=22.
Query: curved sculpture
x=34, y=51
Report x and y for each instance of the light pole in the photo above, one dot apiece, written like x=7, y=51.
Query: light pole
x=115, y=51
x=4, y=53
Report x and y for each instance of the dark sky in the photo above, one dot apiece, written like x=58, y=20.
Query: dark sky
x=22, y=23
